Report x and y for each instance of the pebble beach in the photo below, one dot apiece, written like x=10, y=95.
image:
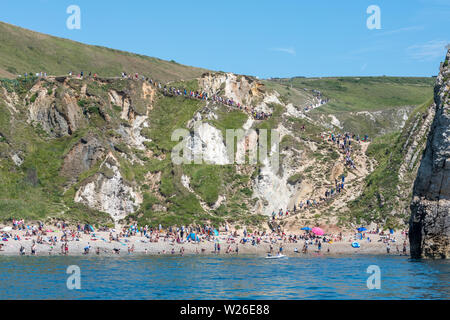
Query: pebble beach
x=99, y=244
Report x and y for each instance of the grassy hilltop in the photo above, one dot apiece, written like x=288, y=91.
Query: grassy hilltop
x=366, y=93
x=371, y=105
x=23, y=50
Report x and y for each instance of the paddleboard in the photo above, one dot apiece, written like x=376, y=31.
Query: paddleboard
x=279, y=256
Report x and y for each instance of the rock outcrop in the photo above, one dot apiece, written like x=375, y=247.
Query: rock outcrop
x=430, y=221
x=207, y=144
x=58, y=113
x=242, y=89
x=107, y=191
x=82, y=156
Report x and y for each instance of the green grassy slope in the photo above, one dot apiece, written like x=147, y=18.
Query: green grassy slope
x=364, y=105
x=292, y=94
x=23, y=51
x=366, y=93
x=381, y=200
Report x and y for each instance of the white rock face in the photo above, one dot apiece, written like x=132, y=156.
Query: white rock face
x=335, y=121
x=234, y=87
x=270, y=186
x=121, y=101
x=248, y=124
x=219, y=201
x=208, y=143
x=132, y=135
x=273, y=188
x=17, y=160
x=56, y=120
x=241, y=89
x=11, y=99
x=317, y=103
x=109, y=194
x=186, y=182
x=292, y=111
x=269, y=98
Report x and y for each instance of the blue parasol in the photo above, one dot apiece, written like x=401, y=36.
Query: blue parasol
x=306, y=228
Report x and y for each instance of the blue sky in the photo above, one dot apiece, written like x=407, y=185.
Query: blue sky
x=281, y=38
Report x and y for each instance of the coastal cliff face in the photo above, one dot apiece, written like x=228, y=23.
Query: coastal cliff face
x=99, y=150
x=430, y=221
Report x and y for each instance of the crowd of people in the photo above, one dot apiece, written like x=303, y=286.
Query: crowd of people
x=59, y=236
x=344, y=144
x=385, y=238
x=318, y=100
x=199, y=95
x=303, y=205
x=343, y=141
x=172, y=91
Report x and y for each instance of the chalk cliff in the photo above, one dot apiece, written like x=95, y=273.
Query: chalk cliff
x=430, y=221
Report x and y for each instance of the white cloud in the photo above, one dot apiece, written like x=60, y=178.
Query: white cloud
x=406, y=29
x=286, y=50
x=430, y=50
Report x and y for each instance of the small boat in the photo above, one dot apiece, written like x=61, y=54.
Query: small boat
x=278, y=256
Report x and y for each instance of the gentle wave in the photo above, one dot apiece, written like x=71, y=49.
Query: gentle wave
x=214, y=277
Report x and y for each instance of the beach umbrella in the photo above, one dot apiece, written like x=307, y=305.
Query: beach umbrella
x=317, y=231
x=306, y=228
x=362, y=229
x=216, y=233
x=391, y=231
x=7, y=229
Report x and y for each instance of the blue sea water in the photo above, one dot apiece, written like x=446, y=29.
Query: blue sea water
x=221, y=277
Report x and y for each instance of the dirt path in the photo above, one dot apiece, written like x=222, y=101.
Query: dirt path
x=327, y=212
